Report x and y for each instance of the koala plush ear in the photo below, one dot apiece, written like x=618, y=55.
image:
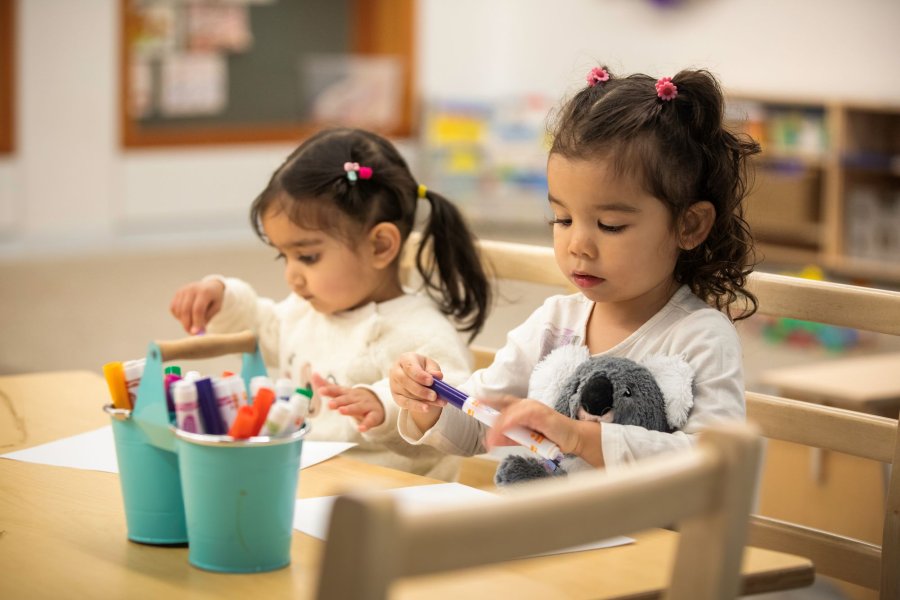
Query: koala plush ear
x=553, y=370
x=675, y=379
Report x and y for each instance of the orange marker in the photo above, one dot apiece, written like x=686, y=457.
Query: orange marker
x=115, y=379
x=244, y=425
x=262, y=402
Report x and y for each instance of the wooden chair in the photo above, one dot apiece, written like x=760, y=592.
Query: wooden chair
x=849, y=432
x=856, y=434
x=708, y=490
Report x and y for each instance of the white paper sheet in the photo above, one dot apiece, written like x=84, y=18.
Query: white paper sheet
x=96, y=451
x=311, y=515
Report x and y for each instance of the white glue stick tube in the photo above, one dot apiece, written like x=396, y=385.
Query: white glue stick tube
x=278, y=419
x=134, y=370
x=225, y=401
x=187, y=410
x=284, y=388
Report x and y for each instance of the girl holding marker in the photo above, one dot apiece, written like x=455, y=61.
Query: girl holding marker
x=338, y=212
x=646, y=188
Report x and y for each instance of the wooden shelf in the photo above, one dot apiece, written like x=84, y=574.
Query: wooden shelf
x=829, y=174
x=799, y=233
x=787, y=255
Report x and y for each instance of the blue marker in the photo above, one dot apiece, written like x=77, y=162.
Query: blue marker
x=532, y=440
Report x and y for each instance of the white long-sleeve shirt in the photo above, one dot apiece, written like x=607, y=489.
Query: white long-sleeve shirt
x=685, y=326
x=352, y=348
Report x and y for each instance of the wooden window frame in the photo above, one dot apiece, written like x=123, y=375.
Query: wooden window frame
x=379, y=27
x=7, y=76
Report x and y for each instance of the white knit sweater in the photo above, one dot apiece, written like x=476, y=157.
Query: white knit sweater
x=352, y=348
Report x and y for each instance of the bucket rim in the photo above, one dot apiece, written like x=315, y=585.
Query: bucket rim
x=205, y=439
x=119, y=414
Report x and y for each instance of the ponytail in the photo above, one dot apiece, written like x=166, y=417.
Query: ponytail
x=461, y=288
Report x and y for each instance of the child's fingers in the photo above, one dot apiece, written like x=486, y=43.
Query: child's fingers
x=340, y=400
x=433, y=368
x=413, y=366
x=318, y=382
x=331, y=390
x=202, y=310
x=185, y=310
x=374, y=418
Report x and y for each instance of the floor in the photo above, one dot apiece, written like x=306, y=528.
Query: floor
x=80, y=312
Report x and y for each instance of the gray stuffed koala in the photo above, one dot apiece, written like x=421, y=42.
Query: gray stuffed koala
x=655, y=394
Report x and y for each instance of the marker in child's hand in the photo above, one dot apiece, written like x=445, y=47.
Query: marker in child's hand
x=532, y=440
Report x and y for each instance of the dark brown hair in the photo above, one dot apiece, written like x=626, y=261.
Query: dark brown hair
x=681, y=153
x=313, y=189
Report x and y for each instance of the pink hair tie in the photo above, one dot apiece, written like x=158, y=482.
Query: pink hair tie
x=353, y=171
x=597, y=75
x=665, y=89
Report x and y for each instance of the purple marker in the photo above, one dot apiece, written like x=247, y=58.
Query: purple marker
x=209, y=408
x=532, y=440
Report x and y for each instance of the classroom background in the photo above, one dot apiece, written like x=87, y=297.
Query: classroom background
x=98, y=229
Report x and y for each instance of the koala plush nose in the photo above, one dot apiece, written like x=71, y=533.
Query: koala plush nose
x=597, y=395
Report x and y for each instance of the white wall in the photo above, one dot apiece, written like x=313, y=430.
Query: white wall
x=70, y=188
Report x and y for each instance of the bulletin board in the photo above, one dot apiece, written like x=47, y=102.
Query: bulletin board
x=7, y=76
x=199, y=72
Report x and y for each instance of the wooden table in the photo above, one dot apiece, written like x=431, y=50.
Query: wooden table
x=62, y=531
x=869, y=384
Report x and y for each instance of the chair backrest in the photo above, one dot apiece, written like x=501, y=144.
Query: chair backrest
x=850, y=432
x=708, y=490
x=853, y=433
x=828, y=428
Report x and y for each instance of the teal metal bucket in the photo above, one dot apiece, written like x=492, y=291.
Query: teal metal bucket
x=239, y=499
x=151, y=486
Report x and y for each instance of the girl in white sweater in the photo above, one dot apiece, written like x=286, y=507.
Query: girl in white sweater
x=338, y=212
x=646, y=188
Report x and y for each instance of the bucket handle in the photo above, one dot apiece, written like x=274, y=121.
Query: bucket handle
x=207, y=346
x=150, y=413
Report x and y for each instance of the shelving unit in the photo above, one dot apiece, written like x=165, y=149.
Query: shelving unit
x=827, y=184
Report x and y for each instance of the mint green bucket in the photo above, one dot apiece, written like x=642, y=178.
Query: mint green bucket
x=151, y=486
x=149, y=475
x=239, y=499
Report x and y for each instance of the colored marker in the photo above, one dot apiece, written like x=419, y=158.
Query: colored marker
x=244, y=425
x=209, y=408
x=169, y=379
x=263, y=402
x=187, y=411
x=115, y=380
x=532, y=440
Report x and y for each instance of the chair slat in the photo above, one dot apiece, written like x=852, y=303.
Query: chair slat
x=838, y=556
x=825, y=302
x=854, y=433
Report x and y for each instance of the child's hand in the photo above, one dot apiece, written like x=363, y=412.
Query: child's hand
x=196, y=303
x=581, y=438
x=359, y=403
x=410, y=377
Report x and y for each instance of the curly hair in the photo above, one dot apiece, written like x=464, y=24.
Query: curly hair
x=679, y=150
